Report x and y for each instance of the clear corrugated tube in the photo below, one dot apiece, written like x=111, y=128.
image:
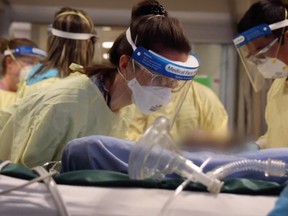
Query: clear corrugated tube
x=268, y=167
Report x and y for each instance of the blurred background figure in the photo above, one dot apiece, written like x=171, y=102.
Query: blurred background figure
x=71, y=40
x=19, y=56
x=263, y=48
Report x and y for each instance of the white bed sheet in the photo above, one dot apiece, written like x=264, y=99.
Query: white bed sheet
x=99, y=201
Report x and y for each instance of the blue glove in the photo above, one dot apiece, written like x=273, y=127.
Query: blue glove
x=281, y=206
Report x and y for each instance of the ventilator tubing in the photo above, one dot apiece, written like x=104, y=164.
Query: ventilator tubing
x=154, y=156
x=268, y=167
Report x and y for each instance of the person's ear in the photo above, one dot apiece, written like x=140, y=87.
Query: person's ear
x=8, y=61
x=123, y=62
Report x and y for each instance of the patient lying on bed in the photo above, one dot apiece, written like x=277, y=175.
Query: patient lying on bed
x=107, y=153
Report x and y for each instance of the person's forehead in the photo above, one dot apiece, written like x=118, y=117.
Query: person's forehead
x=174, y=55
x=258, y=44
x=27, y=59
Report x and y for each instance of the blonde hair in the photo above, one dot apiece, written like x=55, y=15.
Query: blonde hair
x=61, y=52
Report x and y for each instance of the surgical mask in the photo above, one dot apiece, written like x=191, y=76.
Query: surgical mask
x=149, y=98
x=24, y=72
x=273, y=68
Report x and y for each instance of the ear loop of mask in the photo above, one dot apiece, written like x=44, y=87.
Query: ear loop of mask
x=122, y=75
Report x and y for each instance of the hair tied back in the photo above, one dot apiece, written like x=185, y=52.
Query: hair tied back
x=157, y=9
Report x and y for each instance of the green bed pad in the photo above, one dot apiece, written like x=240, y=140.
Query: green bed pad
x=102, y=178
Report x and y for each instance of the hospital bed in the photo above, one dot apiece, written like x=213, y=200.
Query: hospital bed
x=104, y=201
x=101, y=192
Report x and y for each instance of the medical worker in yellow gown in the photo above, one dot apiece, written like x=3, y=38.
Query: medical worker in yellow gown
x=80, y=105
x=71, y=41
x=19, y=56
x=263, y=47
x=201, y=112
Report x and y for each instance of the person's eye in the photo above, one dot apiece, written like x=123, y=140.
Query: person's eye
x=158, y=78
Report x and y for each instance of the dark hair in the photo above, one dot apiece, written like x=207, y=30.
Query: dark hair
x=148, y=7
x=155, y=31
x=266, y=11
x=61, y=52
x=12, y=44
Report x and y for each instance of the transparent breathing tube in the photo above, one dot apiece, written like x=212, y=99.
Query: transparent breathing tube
x=46, y=177
x=268, y=167
x=179, y=189
x=153, y=156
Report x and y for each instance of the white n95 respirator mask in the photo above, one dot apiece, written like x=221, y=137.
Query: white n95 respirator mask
x=273, y=68
x=149, y=98
x=24, y=72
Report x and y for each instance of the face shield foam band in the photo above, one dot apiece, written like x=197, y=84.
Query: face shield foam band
x=174, y=69
x=26, y=50
x=70, y=35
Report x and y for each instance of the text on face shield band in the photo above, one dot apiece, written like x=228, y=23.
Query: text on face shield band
x=153, y=61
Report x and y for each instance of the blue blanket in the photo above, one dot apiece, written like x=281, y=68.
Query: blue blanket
x=107, y=153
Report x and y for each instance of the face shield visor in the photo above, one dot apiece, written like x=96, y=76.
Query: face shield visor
x=258, y=49
x=163, y=78
x=25, y=57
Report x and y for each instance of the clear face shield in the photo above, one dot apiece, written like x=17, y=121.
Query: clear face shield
x=258, y=50
x=158, y=81
x=25, y=57
x=147, y=77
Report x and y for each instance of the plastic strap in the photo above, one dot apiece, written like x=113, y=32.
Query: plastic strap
x=129, y=39
x=279, y=25
x=52, y=164
x=52, y=187
x=4, y=164
x=28, y=183
x=75, y=13
x=70, y=35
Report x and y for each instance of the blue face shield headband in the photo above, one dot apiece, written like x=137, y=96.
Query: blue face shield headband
x=173, y=69
x=26, y=50
x=257, y=32
x=258, y=50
